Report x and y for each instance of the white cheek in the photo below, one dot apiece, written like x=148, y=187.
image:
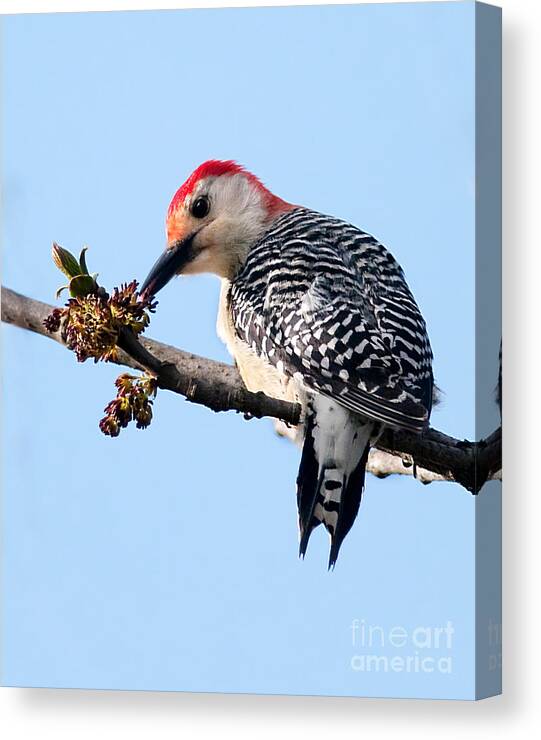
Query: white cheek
x=201, y=263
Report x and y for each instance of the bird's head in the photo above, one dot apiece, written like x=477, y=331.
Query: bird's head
x=212, y=221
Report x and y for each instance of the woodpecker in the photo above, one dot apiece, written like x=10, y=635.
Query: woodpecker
x=315, y=311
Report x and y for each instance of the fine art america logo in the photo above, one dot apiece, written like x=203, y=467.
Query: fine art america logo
x=421, y=649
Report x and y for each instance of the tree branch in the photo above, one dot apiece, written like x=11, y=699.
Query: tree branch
x=207, y=382
x=431, y=456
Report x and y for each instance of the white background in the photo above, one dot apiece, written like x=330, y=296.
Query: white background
x=43, y=713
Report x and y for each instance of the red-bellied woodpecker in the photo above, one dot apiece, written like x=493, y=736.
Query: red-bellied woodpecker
x=313, y=310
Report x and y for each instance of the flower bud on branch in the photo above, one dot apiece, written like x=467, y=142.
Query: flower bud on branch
x=133, y=402
x=91, y=322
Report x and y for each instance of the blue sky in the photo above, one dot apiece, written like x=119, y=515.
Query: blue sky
x=167, y=559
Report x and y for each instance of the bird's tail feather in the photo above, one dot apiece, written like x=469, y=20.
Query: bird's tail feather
x=330, y=486
x=348, y=509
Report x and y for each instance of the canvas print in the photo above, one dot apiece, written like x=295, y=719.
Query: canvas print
x=260, y=453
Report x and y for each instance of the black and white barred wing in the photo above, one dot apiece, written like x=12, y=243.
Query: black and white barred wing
x=339, y=352
x=327, y=304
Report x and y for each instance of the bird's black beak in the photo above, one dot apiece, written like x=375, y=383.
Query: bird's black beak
x=169, y=264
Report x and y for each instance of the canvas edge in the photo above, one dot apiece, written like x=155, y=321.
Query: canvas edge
x=488, y=323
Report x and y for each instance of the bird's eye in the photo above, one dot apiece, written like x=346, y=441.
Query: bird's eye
x=200, y=207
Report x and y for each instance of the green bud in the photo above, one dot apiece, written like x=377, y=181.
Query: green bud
x=82, y=285
x=65, y=261
x=82, y=261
